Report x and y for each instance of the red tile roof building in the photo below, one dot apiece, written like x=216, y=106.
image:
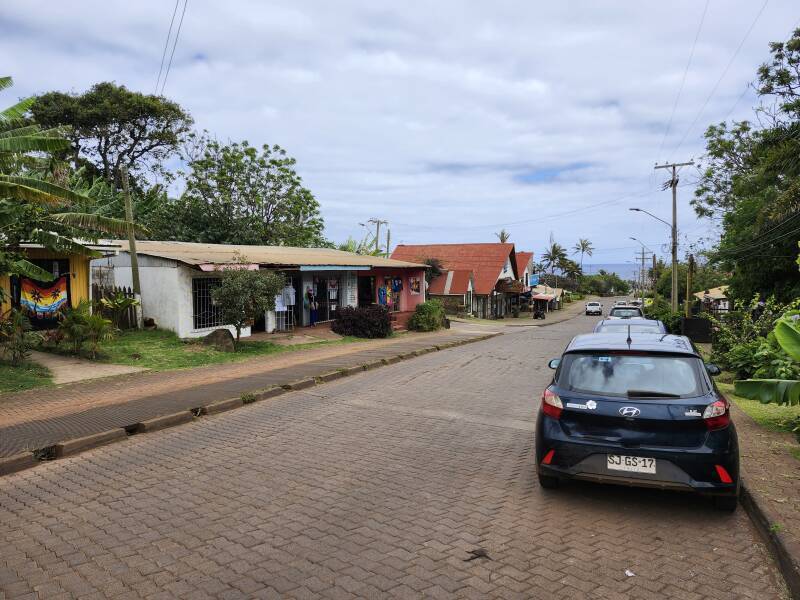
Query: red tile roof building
x=487, y=263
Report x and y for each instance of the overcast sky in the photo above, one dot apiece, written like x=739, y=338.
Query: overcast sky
x=449, y=119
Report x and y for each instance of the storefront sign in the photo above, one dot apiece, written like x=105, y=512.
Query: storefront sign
x=533, y=279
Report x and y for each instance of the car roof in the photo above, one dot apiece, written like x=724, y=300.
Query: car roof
x=632, y=321
x=592, y=302
x=646, y=342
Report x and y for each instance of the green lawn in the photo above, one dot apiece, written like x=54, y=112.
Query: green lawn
x=163, y=350
x=28, y=375
x=774, y=417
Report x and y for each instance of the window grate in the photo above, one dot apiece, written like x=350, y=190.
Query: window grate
x=205, y=312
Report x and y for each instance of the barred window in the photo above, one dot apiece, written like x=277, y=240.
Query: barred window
x=205, y=312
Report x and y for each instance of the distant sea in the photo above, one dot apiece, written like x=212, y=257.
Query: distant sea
x=623, y=270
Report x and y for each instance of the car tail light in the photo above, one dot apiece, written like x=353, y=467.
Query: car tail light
x=724, y=476
x=716, y=414
x=551, y=404
x=548, y=458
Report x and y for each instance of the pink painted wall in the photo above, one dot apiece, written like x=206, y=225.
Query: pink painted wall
x=408, y=301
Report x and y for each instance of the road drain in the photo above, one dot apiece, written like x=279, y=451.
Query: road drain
x=46, y=453
x=478, y=553
x=131, y=429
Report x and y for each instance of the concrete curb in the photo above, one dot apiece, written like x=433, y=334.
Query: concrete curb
x=164, y=421
x=19, y=462
x=74, y=446
x=785, y=552
x=15, y=463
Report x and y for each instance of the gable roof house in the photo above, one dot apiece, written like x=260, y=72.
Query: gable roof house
x=525, y=268
x=492, y=266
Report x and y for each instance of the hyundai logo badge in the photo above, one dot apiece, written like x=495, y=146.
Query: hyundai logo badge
x=629, y=411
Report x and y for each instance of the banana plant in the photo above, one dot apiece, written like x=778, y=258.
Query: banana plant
x=787, y=333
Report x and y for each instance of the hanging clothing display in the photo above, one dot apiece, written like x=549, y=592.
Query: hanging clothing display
x=382, y=296
x=42, y=302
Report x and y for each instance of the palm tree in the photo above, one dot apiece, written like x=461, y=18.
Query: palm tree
x=503, y=236
x=18, y=183
x=553, y=257
x=583, y=246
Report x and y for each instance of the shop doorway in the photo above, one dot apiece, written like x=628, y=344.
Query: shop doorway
x=366, y=291
x=326, y=293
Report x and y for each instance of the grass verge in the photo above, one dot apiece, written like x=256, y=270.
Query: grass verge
x=773, y=417
x=164, y=351
x=24, y=377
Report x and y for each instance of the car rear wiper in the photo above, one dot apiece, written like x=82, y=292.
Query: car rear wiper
x=650, y=394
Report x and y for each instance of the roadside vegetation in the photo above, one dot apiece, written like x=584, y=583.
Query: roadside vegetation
x=24, y=376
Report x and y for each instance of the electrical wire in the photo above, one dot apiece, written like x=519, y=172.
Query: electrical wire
x=166, y=45
x=721, y=77
x=683, y=80
x=174, y=45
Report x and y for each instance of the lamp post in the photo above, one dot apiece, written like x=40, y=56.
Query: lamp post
x=674, y=229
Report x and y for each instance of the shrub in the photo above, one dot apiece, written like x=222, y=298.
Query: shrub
x=428, y=316
x=73, y=326
x=662, y=311
x=15, y=337
x=363, y=321
x=117, y=305
x=98, y=329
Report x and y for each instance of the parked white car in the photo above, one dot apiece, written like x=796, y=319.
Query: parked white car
x=594, y=308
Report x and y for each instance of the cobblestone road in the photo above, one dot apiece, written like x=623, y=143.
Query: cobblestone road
x=374, y=486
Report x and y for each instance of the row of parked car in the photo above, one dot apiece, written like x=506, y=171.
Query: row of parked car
x=634, y=405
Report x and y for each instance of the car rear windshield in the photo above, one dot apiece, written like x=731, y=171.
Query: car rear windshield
x=623, y=328
x=625, y=312
x=593, y=304
x=632, y=375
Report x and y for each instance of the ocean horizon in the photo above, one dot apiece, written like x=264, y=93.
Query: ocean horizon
x=623, y=270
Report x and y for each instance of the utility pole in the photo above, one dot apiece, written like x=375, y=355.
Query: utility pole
x=673, y=183
x=377, y=222
x=137, y=289
x=655, y=280
x=687, y=310
x=388, y=242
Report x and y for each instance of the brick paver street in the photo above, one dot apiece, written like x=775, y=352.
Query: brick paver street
x=377, y=485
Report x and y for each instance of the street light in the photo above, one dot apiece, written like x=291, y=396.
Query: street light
x=674, y=228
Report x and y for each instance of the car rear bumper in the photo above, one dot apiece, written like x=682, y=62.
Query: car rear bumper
x=678, y=469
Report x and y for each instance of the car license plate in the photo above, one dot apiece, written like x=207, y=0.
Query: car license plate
x=632, y=464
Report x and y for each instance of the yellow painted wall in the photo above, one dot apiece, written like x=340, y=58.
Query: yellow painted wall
x=79, y=274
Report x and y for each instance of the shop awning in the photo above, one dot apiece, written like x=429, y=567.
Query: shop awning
x=547, y=297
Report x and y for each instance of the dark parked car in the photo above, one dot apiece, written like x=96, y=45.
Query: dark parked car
x=639, y=411
x=636, y=326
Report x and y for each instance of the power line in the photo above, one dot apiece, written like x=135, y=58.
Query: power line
x=174, y=45
x=721, y=77
x=166, y=45
x=683, y=80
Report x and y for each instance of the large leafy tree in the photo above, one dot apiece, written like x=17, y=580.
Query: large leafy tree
x=29, y=202
x=111, y=126
x=238, y=194
x=750, y=183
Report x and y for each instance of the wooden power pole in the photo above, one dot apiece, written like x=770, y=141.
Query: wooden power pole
x=378, y=222
x=673, y=183
x=687, y=308
x=137, y=288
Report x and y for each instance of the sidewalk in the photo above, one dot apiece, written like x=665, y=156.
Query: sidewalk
x=67, y=369
x=40, y=418
x=771, y=489
x=569, y=311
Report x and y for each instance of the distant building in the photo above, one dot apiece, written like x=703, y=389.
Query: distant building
x=524, y=269
x=714, y=299
x=493, y=269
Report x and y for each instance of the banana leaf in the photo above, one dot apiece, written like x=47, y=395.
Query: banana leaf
x=769, y=391
x=30, y=270
x=787, y=333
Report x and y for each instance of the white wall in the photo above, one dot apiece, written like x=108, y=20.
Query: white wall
x=166, y=292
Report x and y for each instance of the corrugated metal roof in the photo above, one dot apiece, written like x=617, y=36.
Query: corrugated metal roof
x=486, y=261
x=196, y=254
x=717, y=293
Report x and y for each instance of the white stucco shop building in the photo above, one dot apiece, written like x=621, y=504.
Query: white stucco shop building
x=177, y=279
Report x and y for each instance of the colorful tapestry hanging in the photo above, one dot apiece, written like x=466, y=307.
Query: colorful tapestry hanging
x=42, y=302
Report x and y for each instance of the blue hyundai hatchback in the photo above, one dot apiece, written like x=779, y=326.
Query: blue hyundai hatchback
x=641, y=410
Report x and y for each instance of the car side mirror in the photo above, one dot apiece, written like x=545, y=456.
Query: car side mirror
x=713, y=369
x=553, y=364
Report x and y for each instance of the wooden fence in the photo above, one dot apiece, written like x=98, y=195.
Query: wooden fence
x=127, y=318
